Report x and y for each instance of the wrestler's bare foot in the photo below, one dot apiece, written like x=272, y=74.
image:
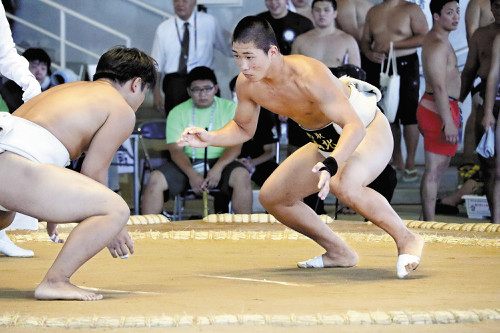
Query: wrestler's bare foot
x=413, y=246
x=63, y=290
x=348, y=258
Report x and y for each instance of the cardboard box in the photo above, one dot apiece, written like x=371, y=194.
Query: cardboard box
x=477, y=206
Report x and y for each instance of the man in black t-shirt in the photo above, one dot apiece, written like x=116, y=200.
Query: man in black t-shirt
x=287, y=25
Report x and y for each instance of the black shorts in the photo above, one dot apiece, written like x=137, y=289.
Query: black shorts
x=178, y=182
x=409, y=90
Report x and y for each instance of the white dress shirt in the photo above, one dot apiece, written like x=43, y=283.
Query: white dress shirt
x=205, y=35
x=12, y=65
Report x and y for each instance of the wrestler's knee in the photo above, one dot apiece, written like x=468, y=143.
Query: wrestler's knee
x=271, y=197
x=117, y=209
x=347, y=191
x=267, y=197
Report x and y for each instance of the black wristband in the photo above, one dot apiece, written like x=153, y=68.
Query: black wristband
x=330, y=165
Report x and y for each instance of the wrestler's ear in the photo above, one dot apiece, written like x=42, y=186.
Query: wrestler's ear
x=136, y=84
x=273, y=50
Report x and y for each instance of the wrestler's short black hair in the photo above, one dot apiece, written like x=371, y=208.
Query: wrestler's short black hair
x=33, y=54
x=121, y=64
x=200, y=73
x=333, y=2
x=437, y=5
x=254, y=29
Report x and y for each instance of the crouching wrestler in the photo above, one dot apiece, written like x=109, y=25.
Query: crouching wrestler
x=48, y=131
x=352, y=143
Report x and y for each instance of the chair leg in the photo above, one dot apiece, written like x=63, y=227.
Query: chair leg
x=178, y=205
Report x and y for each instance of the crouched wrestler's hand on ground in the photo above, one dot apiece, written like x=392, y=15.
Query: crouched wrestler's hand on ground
x=121, y=245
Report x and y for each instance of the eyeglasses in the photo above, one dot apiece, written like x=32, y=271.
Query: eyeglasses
x=197, y=90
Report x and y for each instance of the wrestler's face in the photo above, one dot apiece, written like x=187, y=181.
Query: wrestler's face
x=184, y=8
x=450, y=16
x=252, y=61
x=203, y=93
x=323, y=14
x=277, y=8
x=39, y=70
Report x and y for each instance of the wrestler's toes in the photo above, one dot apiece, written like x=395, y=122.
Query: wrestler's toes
x=92, y=297
x=406, y=264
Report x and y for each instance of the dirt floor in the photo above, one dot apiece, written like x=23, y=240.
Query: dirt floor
x=192, y=276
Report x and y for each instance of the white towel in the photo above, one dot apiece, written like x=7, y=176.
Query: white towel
x=486, y=147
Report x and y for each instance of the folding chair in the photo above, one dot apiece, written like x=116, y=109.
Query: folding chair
x=150, y=130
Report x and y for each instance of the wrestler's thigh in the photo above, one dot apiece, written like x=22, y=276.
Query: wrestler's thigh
x=293, y=178
x=371, y=156
x=52, y=193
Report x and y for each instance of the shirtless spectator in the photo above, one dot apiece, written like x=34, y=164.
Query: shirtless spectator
x=57, y=126
x=491, y=111
x=352, y=15
x=438, y=113
x=478, y=14
x=325, y=42
x=478, y=65
x=404, y=24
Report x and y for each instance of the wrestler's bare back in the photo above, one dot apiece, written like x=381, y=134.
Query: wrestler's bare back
x=303, y=91
x=75, y=112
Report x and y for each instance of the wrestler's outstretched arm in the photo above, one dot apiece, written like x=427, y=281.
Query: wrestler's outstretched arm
x=237, y=131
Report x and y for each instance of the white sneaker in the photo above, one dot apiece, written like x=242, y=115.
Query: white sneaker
x=10, y=249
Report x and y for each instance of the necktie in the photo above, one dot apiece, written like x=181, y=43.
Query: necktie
x=183, y=58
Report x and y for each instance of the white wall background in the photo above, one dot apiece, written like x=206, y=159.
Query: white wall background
x=140, y=25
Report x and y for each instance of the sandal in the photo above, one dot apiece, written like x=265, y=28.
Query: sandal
x=410, y=175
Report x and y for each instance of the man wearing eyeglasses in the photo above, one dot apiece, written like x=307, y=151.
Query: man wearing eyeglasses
x=186, y=168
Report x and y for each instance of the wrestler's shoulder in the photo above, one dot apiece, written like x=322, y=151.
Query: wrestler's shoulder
x=305, y=66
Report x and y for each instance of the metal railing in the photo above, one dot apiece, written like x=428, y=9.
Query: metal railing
x=150, y=8
x=63, y=11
